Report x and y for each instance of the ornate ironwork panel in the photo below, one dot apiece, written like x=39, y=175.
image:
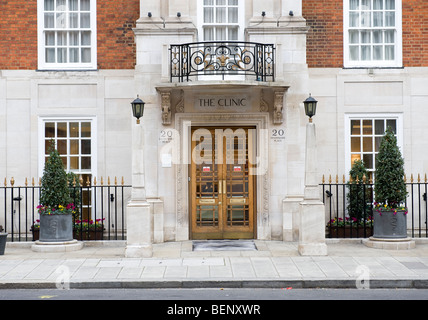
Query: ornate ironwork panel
x=192, y=60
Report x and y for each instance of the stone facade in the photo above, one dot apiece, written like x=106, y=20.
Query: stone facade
x=309, y=59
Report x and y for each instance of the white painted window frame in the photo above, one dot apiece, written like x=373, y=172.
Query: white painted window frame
x=41, y=141
x=201, y=24
x=372, y=116
x=396, y=63
x=43, y=65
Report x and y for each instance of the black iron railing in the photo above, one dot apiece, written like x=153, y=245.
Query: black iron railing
x=193, y=60
x=349, y=207
x=100, y=210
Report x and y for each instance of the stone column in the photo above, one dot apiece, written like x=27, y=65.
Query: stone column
x=312, y=214
x=139, y=220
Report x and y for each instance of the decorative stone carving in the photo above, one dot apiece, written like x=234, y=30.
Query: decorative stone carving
x=179, y=107
x=278, y=103
x=264, y=107
x=166, y=107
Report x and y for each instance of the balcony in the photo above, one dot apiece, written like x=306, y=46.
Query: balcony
x=217, y=60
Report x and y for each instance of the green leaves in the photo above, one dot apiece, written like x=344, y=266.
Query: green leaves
x=54, y=189
x=390, y=187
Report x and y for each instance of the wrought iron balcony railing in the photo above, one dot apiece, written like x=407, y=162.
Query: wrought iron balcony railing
x=193, y=60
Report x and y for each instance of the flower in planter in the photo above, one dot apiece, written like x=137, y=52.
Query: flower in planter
x=89, y=225
x=35, y=225
x=386, y=208
x=350, y=221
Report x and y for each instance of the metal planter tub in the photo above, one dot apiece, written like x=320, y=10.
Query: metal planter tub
x=56, y=228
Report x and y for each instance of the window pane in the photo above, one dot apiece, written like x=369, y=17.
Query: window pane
x=232, y=33
x=356, y=144
x=368, y=161
x=377, y=143
x=74, y=146
x=86, y=38
x=220, y=2
x=49, y=129
x=355, y=127
x=86, y=163
x=379, y=127
x=390, y=19
x=354, y=19
x=353, y=53
x=355, y=157
x=220, y=15
x=233, y=15
x=60, y=20
x=49, y=20
x=377, y=4
x=377, y=36
x=85, y=20
x=61, y=38
x=74, y=163
x=366, y=4
x=209, y=15
x=366, y=19
x=73, y=4
x=365, y=36
x=389, y=53
x=86, y=146
x=366, y=53
x=61, y=130
x=377, y=19
x=208, y=2
x=86, y=55
x=377, y=53
x=62, y=55
x=393, y=124
x=60, y=5
x=49, y=5
x=50, y=38
x=74, y=129
x=50, y=55
x=86, y=129
x=367, y=144
x=353, y=4
x=74, y=20
x=208, y=34
x=367, y=127
x=354, y=36
x=389, y=36
x=74, y=38
x=61, y=146
x=85, y=5
x=390, y=4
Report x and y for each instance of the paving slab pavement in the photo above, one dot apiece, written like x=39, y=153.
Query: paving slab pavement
x=275, y=264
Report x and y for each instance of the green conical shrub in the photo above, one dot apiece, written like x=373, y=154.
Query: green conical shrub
x=55, y=188
x=390, y=187
x=359, y=195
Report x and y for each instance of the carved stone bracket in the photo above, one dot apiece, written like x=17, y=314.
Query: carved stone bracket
x=278, y=104
x=166, y=106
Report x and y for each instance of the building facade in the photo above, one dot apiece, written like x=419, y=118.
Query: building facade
x=223, y=83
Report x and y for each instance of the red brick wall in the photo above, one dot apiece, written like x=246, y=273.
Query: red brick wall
x=18, y=34
x=115, y=39
x=325, y=38
x=324, y=45
x=116, y=45
x=415, y=33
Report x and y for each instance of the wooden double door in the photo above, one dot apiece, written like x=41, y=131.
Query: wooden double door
x=222, y=184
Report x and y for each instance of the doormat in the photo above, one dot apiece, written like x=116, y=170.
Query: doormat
x=224, y=245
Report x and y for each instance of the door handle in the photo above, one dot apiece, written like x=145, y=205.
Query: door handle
x=220, y=189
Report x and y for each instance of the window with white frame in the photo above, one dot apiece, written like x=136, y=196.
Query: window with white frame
x=372, y=33
x=364, y=134
x=221, y=20
x=74, y=139
x=67, y=34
